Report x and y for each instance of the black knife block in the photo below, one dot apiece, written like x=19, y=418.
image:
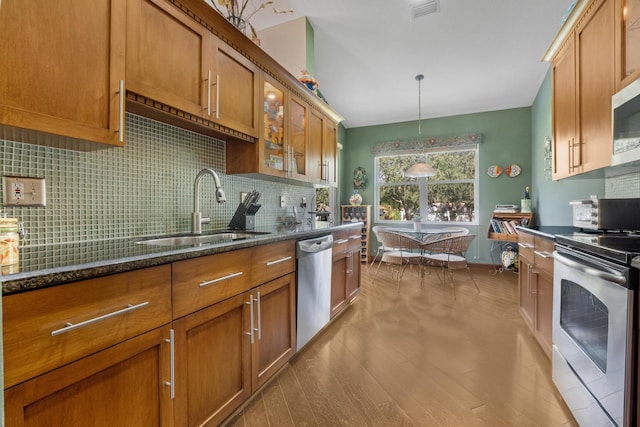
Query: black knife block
x=244, y=219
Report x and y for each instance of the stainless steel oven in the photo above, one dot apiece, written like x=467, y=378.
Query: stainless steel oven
x=593, y=332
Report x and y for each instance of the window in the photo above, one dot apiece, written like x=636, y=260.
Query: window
x=449, y=196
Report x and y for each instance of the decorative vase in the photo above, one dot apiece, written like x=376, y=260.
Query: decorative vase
x=355, y=199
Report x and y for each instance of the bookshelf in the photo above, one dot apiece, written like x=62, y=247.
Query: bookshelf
x=355, y=213
x=506, y=225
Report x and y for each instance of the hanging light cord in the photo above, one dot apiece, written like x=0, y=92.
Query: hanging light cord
x=419, y=78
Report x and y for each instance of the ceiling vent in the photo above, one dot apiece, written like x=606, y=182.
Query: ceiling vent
x=425, y=8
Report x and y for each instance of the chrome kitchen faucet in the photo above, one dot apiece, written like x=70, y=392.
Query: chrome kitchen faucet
x=196, y=217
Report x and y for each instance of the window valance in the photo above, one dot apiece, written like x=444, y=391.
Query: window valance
x=422, y=144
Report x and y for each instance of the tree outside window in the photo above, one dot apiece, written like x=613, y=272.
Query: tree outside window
x=449, y=196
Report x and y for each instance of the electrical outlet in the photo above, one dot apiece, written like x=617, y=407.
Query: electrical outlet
x=282, y=202
x=24, y=191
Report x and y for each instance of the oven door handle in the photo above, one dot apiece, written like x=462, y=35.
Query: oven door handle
x=611, y=277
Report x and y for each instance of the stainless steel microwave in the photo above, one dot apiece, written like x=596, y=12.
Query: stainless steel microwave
x=626, y=125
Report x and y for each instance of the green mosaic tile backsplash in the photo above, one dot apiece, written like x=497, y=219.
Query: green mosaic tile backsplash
x=145, y=188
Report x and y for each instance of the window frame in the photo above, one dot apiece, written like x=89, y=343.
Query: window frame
x=423, y=183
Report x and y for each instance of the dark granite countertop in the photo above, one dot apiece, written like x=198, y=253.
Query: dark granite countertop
x=548, y=231
x=50, y=265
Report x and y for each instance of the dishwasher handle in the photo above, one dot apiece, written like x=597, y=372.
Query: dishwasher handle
x=311, y=246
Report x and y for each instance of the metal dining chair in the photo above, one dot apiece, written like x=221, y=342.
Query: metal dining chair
x=448, y=255
x=406, y=252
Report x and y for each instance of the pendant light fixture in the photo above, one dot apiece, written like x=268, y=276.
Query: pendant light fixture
x=419, y=170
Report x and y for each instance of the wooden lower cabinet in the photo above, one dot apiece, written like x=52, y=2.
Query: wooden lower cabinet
x=345, y=270
x=536, y=287
x=226, y=351
x=123, y=385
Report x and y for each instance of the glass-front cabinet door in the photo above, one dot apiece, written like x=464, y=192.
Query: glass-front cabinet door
x=297, y=138
x=274, y=152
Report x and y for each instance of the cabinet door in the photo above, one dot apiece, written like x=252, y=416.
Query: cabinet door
x=596, y=79
x=274, y=153
x=235, y=91
x=122, y=385
x=544, y=310
x=61, y=64
x=526, y=291
x=213, y=362
x=353, y=274
x=628, y=21
x=275, y=339
x=314, y=158
x=169, y=56
x=564, y=109
x=297, y=137
x=330, y=153
x=338, y=283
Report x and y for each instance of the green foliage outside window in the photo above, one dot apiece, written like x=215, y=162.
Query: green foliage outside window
x=450, y=194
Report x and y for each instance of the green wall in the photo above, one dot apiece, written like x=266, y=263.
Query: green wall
x=551, y=198
x=506, y=140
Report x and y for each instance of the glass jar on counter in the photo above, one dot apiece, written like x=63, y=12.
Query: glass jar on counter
x=9, y=240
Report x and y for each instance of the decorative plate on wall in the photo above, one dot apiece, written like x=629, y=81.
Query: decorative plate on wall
x=494, y=171
x=513, y=170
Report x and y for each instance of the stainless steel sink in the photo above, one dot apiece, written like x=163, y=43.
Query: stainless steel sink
x=202, y=239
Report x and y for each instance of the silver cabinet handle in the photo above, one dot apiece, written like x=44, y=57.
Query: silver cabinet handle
x=259, y=318
x=209, y=93
x=543, y=254
x=172, y=366
x=220, y=279
x=525, y=245
x=70, y=326
x=341, y=241
x=250, y=333
x=350, y=263
x=278, y=261
x=217, y=96
x=354, y=237
x=121, y=112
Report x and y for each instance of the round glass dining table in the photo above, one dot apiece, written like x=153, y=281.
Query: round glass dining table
x=426, y=233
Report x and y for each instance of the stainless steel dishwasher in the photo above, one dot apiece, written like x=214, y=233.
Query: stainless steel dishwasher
x=314, y=287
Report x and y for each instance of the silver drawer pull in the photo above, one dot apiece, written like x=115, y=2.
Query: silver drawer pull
x=341, y=241
x=543, y=254
x=525, y=245
x=70, y=326
x=278, y=261
x=354, y=237
x=220, y=279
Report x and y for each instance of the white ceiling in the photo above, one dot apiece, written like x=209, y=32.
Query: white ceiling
x=476, y=55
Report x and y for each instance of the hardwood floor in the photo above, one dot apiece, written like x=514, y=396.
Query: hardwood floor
x=417, y=357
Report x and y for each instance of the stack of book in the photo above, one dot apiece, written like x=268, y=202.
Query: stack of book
x=506, y=209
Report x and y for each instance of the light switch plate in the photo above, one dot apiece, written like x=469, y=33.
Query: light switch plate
x=24, y=191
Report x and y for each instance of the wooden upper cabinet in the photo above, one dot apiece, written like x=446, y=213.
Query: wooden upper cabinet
x=330, y=153
x=314, y=158
x=584, y=80
x=627, y=18
x=61, y=65
x=235, y=91
x=596, y=79
x=169, y=57
x=297, y=137
x=564, y=109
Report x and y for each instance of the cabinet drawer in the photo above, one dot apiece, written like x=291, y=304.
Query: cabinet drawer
x=544, y=254
x=341, y=242
x=200, y=282
x=526, y=244
x=271, y=261
x=47, y=328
